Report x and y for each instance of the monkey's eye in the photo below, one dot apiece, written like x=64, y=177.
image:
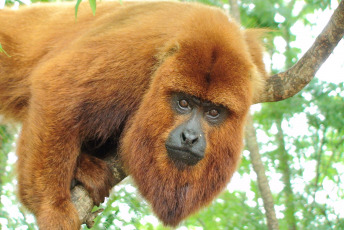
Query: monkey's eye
x=213, y=113
x=184, y=104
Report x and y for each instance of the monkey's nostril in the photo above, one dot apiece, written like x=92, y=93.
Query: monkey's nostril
x=194, y=140
x=183, y=137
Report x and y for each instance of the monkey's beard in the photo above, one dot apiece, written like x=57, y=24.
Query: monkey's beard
x=173, y=193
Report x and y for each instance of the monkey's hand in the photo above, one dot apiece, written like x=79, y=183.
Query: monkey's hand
x=96, y=176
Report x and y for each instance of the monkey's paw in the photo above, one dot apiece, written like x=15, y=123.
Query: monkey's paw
x=96, y=176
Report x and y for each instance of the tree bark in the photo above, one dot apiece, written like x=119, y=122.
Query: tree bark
x=286, y=177
x=84, y=203
x=258, y=167
x=286, y=84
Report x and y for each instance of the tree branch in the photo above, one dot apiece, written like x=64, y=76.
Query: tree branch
x=286, y=84
x=83, y=201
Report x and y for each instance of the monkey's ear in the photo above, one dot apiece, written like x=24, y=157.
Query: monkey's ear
x=253, y=38
x=167, y=50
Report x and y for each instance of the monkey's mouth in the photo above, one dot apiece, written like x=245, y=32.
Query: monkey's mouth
x=182, y=156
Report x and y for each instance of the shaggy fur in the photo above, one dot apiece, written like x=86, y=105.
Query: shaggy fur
x=102, y=85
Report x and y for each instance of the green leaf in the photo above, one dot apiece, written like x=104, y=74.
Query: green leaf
x=3, y=51
x=77, y=7
x=93, y=6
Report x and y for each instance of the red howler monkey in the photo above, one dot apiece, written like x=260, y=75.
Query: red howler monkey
x=165, y=85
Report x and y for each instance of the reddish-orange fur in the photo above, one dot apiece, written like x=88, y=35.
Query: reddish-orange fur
x=101, y=85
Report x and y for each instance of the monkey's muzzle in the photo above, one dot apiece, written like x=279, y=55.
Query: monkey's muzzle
x=183, y=155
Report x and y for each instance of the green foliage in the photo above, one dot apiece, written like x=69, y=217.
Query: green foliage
x=322, y=105
x=6, y=140
x=7, y=178
x=229, y=211
x=258, y=13
x=124, y=209
x=10, y=2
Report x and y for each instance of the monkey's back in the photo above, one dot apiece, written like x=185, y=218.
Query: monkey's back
x=51, y=50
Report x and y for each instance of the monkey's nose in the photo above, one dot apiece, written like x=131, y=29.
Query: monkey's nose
x=189, y=137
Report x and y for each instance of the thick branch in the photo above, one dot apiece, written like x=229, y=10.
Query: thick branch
x=83, y=201
x=286, y=84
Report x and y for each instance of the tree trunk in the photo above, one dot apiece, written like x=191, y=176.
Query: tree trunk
x=286, y=177
x=258, y=167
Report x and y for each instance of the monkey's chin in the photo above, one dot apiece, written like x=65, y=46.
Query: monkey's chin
x=181, y=166
x=182, y=158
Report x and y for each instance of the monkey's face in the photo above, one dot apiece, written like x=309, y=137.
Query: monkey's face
x=186, y=144
x=183, y=144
